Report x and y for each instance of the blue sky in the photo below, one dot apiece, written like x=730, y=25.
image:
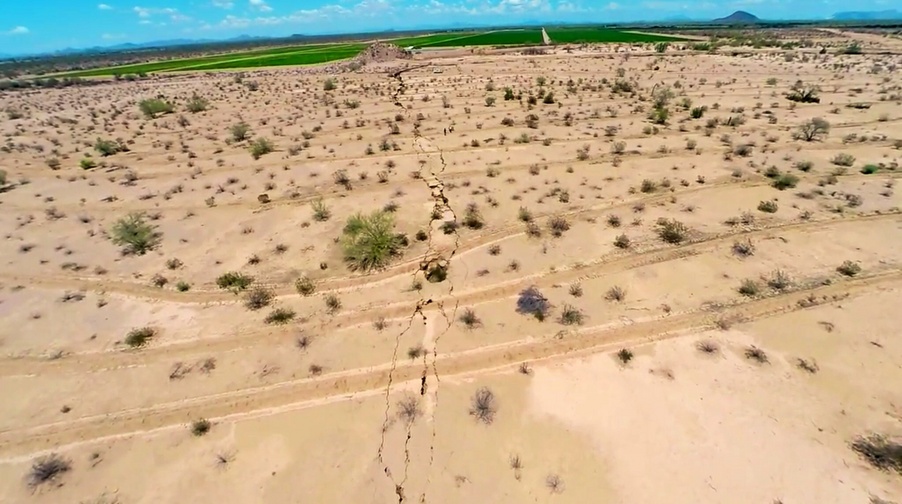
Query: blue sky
x=45, y=25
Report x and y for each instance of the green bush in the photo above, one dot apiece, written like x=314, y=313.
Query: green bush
x=153, y=107
x=137, y=338
x=785, y=181
x=87, y=163
x=261, y=146
x=870, y=169
x=369, y=241
x=280, y=316
x=135, y=235
x=109, y=147
x=234, y=281
x=672, y=231
x=240, y=132
x=197, y=104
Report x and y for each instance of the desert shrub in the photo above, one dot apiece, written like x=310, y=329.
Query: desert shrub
x=802, y=93
x=615, y=293
x=321, y=212
x=804, y=166
x=329, y=84
x=532, y=302
x=756, y=354
x=260, y=147
x=779, y=280
x=135, y=235
x=880, y=452
x=558, y=225
x=234, y=281
x=697, y=112
x=258, y=297
x=137, y=338
x=849, y=268
x=200, y=427
x=743, y=150
x=869, y=169
x=548, y=99
x=197, y=104
x=46, y=469
x=843, y=159
x=333, y=303
x=813, y=129
x=305, y=286
x=473, y=217
x=648, y=186
x=369, y=241
x=576, y=290
x=785, y=181
x=483, y=406
x=87, y=163
x=625, y=355
x=672, y=231
x=470, y=319
x=622, y=241
x=749, y=288
x=109, y=147
x=744, y=248
x=489, y=101
x=279, y=316
x=524, y=214
x=240, y=131
x=153, y=107
x=768, y=206
x=570, y=315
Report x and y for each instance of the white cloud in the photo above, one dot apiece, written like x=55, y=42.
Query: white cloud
x=260, y=5
x=112, y=36
x=223, y=4
x=19, y=30
x=146, y=12
x=104, y=6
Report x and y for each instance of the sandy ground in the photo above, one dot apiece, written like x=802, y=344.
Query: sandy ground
x=650, y=396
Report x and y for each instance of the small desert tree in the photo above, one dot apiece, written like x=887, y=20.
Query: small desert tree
x=135, y=235
x=813, y=129
x=369, y=241
x=803, y=93
x=153, y=107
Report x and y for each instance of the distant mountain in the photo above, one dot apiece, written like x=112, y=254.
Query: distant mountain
x=738, y=17
x=867, y=15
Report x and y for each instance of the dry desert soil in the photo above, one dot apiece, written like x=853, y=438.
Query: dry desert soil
x=719, y=297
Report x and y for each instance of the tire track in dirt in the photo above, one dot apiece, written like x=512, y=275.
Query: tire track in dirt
x=486, y=359
x=613, y=263
x=205, y=294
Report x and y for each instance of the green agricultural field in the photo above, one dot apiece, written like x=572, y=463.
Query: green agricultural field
x=290, y=59
x=297, y=55
x=532, y=36
x=603, y=35
x=494, y=38
x=428, y=40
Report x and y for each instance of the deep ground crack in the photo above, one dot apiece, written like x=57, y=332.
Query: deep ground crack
x=435, y=269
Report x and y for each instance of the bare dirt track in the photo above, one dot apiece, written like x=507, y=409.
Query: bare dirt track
x=704, y=271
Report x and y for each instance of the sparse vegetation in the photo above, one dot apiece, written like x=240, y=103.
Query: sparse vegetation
x=135, y=234
x=483, y=405
x=369, y=241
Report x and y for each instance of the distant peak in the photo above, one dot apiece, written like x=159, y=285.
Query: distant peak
x=739, y=17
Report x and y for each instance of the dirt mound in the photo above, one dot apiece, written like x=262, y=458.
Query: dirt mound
x=381, y=52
